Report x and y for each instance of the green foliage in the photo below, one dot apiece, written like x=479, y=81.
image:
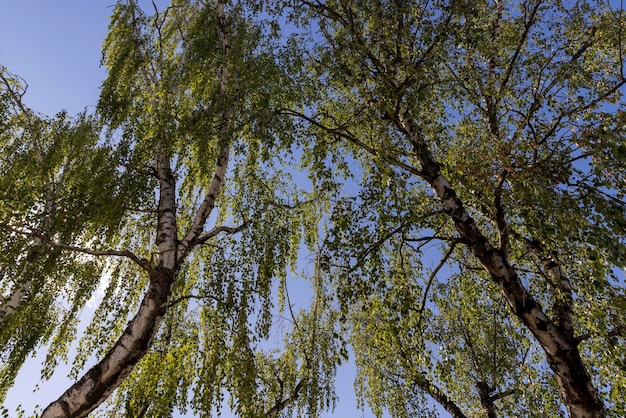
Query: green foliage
x=76, y=190
x=165, y=95
x=514, y=103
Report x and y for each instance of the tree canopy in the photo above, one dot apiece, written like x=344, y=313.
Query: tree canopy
x=447, y=176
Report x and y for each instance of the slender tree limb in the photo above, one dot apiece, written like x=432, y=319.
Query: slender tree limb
x=527, y=26
x=618, y=331
x=207, y=205
x=503, y=394
x=431, y=278
x=284, y=403
x=44, y=239
x=363, y=255
x=198, y=297
x=229, y=230
x=501, y=224
x=342, y=133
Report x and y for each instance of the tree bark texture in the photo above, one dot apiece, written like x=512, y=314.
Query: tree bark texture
x=576, y=389
x=102, y=379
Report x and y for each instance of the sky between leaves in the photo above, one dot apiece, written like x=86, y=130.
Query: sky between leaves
x=56, y=48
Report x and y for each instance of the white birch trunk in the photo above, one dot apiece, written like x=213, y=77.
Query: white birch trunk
x=576, y=389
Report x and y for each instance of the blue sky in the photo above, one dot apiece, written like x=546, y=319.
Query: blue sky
x=55, y=46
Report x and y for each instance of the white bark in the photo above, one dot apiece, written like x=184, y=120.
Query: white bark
x=99, y=382
x=102, y=379
x=577, y=391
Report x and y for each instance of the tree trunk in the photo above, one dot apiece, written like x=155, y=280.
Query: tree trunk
x=102, y=379
x=486, y=400
x=576, y=389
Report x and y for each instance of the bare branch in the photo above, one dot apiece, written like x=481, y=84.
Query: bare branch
x=343, y=133
x=431, y=278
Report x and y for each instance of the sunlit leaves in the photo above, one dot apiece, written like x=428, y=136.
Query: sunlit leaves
x=516, y=104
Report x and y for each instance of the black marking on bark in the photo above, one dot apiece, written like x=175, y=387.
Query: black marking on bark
x=449, y=194
x=541, y=324
x=65, y=406
x=551, y=264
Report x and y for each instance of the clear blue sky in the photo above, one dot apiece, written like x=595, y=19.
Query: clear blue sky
x=56, y=47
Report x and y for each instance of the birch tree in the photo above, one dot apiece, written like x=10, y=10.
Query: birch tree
x=465, y=213
x=490, y=135
x=173, y=200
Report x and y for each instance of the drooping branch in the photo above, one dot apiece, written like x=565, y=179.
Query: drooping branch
x=44, y=239
x=10, y=303
x=308, y=344
x=430, y=280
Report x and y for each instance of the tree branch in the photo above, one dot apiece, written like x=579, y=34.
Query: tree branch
x=527, y=26
x=505, y=243
x=342, y=133
x=431, y=278
x=618, y=331
x=141, y=262
x=282, y=404
x=207, y=205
